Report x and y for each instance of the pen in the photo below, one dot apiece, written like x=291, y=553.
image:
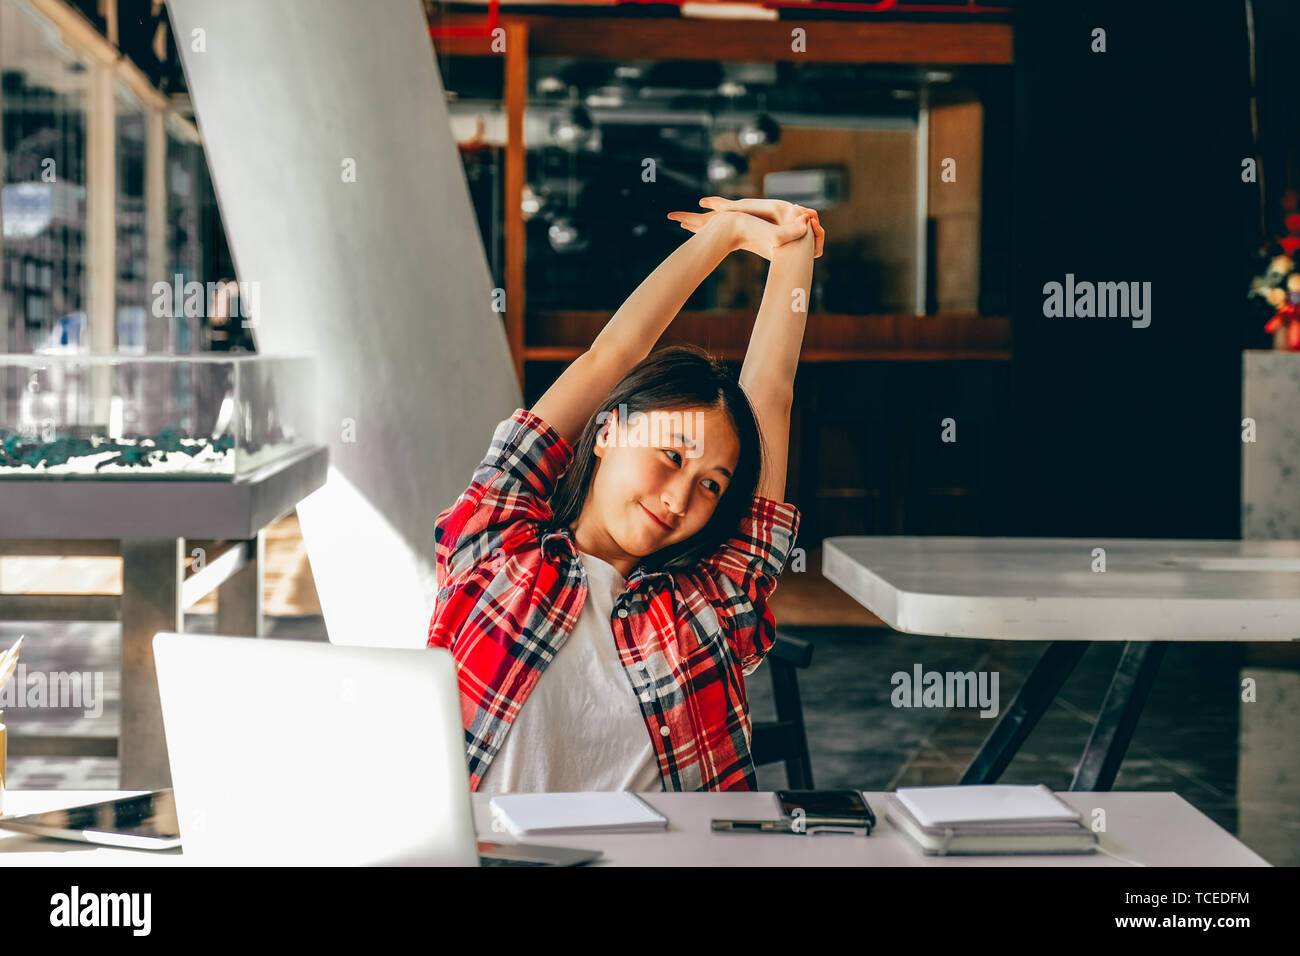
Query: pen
x=753, y=826
x=808, y=826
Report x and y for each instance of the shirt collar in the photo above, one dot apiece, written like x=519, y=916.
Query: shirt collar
x=560, y=541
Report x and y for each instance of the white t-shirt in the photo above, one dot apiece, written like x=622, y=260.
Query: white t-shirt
x=581, y=727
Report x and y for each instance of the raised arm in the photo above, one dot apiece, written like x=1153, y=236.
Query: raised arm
x=634, y=329
x=772, y=358
x=632, y=332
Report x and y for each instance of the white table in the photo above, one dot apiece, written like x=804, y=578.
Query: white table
x=1036, y=589
x=1156, y=829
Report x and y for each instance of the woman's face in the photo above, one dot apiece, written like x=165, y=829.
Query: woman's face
x=659, y=477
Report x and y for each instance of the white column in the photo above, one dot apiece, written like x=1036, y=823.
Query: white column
x=344, y=198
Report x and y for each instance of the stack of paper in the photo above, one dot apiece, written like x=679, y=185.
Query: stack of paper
x=545, y=814
x=995, y=819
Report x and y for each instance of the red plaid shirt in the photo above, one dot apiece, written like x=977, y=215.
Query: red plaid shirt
x=509, y=594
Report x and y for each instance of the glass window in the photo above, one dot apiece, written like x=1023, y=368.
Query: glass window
x=43, y=101
x=132, y=293
x=196, y=250
x=184, y=243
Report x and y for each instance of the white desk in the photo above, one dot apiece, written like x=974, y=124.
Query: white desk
x=1045, y=589
x=1157, y=829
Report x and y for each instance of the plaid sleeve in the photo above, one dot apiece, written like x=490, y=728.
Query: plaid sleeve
x=745, y=570
x=511, y=484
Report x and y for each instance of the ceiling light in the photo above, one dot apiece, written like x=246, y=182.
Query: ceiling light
x=759, y=131
x=531, y=203
x=725, y=166
x=572, y=128
x=607, y=98
x=564, y=236
x=728, y=11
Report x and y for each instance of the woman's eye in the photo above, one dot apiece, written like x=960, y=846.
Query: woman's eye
x=716, y=489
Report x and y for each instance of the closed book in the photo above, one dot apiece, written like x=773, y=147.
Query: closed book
x=546, y=814
x=995, y=837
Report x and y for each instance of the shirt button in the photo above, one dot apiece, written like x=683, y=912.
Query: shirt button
x=622, y=612
x=663, y=731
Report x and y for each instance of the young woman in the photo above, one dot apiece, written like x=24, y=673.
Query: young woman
x=603, y=581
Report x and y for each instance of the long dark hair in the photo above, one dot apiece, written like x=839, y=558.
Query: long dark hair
x=674, y=378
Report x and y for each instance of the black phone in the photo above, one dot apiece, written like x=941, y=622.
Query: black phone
x=827, y=810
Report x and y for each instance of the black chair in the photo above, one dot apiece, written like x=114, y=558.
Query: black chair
x=784, y=739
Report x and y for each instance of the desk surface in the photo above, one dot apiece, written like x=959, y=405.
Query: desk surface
x=1045, y=589
x=1157, y=829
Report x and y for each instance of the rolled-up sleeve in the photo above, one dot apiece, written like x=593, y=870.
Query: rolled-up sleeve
x=744, y=572
x=510, y=485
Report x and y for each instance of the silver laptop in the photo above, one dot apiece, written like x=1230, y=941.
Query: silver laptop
x=300, y=753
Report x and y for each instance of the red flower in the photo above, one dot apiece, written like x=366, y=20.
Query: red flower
x=1289, y=317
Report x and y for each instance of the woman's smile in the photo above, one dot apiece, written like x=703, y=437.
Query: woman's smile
x=656, y=520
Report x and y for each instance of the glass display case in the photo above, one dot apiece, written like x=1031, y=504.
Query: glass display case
x=192, y=417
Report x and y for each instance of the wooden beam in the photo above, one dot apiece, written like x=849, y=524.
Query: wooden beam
x=516, y=92
x=80, y=34
x=561, y=335
x=61, y=745
x=45, y=606
x=63, y=548
x=826, y=41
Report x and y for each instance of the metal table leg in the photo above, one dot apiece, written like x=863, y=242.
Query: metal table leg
x=152, y=574
x=1118, y=716
x=239, y=598
x=1024, y=712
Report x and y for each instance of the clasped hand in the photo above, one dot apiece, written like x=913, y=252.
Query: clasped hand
x=760, y=226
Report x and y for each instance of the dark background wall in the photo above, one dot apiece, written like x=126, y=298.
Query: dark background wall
x=1126, y=166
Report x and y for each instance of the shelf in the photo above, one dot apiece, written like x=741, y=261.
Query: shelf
x=562, y=336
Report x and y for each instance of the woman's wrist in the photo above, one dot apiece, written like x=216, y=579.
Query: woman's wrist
x=726, y=224
x=803, y=247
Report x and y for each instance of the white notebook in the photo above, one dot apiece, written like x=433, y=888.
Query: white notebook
x=541, y=814
x=991, y=803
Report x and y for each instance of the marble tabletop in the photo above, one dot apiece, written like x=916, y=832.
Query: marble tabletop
x=1073, y=589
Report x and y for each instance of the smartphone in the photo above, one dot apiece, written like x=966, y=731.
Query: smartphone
x=828, y=810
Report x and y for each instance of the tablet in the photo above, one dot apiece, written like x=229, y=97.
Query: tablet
x=144, y=822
